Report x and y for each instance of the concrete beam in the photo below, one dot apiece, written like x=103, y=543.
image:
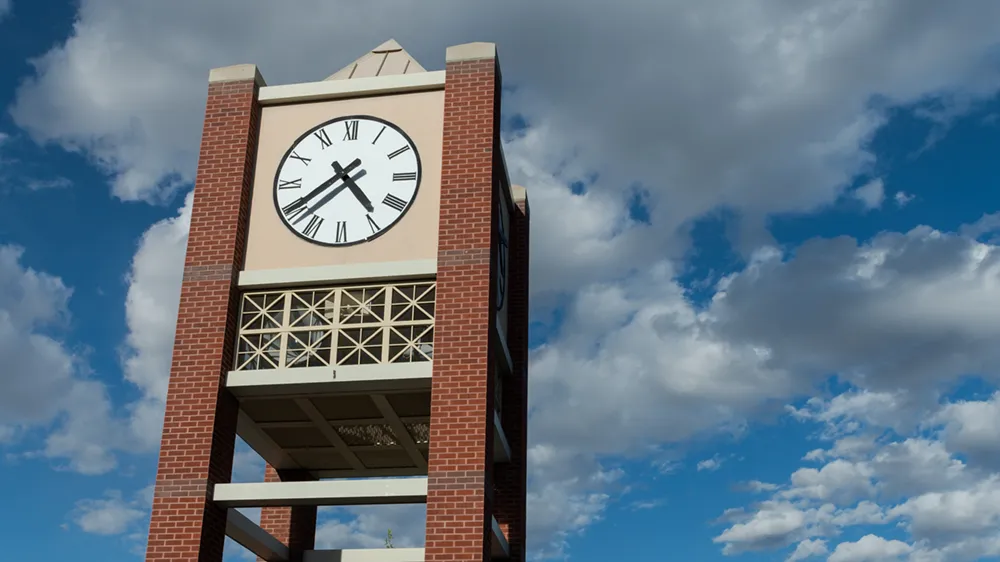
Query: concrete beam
x=501, y=449
x=500, y=548
x=402, y=435
x=253, y=538
x=370, y=491
x=262, y=443
x=381, y=377
x=355, y=87
x=365, y=555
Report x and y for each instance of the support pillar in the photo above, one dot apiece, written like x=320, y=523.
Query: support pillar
x=199, y=430
x=294, y=526
x=460, y=464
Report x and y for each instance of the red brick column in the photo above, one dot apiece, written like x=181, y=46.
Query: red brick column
x=199, y=429
x=460, y=463
x=294, y=526
x=511, y=477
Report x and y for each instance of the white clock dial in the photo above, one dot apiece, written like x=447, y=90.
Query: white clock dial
x=347, y=181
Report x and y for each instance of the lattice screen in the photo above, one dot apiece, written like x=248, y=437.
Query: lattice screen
x=355, y=325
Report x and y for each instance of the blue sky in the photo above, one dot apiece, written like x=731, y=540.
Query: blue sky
x=765, y=271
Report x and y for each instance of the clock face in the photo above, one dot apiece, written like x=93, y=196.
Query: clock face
x=347, y=181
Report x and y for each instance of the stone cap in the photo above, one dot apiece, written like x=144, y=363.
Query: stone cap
x=236, y=73
x=471, y=51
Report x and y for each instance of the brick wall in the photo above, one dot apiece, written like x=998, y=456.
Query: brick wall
x=294, y=526
x=199, y=429
x=460, y=464
x=511, y=477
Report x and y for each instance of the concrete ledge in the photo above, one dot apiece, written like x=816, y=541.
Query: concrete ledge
x=470, y=51
x=371, y=491
x=355, y=87
x=352, y=273
x=236, y=73
x=501, y=450
x=331, y=380
x=365, y=555
x=500, y=548
x=253, y=538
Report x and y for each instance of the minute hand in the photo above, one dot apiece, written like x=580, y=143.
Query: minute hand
x=360, y=195
x=339, y=173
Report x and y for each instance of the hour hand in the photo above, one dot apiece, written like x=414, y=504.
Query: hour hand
x=301, y=201
x=360, y=195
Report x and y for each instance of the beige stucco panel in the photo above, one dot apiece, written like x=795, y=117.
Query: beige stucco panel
x=270, y=245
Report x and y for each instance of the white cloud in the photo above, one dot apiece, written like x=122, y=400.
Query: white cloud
x=44, y=380
x=840, y=481
x=956, y=513
x=902, y=198
x=870, y=548
x=39, y=369
x=871, y=194
x=757, y=486
x=367, y=527
x=151, y=317
x=903, y=311
x=972, y=427
x=949, y=508
x=50, y=380
x=807, y=549
x=987, y=224
x=774, y=525
x=112, y=515
x=711, y=465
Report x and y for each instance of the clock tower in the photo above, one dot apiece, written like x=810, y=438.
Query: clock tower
x=354, y=307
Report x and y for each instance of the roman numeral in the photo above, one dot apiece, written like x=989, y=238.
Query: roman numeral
x=312, y=228
x=396, y=153
x=352, y=130
x=305, y=161
x=323, y=138
x=341, y=231
x=394, y=202
x=379, y=134
x=293, y=209
x=371, y=223
x=282, y=184
x=404, y=176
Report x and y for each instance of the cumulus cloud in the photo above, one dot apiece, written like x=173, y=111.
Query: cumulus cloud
x=903, y=311
x=113, y=514
x=807, y=549
x=987, y=224
x=948, y=507
x=870, y=548
x=871, y=194
x=711, y=465
x=971, y=427
x=151, y=317
x=44, y=380
x=51, y=381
